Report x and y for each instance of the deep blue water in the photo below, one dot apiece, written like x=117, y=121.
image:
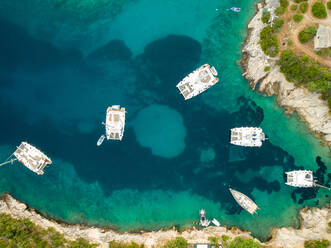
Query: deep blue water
x=175, y=157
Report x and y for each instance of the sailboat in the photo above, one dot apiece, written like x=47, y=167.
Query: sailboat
x=31, y=157
x=244, y=201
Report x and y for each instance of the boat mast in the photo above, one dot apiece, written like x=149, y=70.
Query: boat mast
x=321, y=186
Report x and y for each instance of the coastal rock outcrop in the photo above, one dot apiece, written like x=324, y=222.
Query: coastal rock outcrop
x=313, y=226
x=309, y=106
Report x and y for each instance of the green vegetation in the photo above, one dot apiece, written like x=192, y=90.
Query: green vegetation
x=329, y=4
x=294, y=7
x=179, y=242
x=297, y=17
x=300, y=1
x=23, y=233
x=265, y=17
x=317, y=243
x=307, y=34
x=114, y=244
x=277, y=24
x=289, y=43
x=240, y=242
x=303, y=71
x=214, y=241
x=225, y=238
x=283, y=3
x=268, y=41
x=280, y=11
x=267, y=68
x=319, y=10
x=304, y=7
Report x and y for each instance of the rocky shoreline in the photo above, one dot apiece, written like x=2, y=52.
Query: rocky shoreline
x=309, y=106
x=314, y=225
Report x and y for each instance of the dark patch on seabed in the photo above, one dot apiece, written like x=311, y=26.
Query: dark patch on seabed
x=165, y=61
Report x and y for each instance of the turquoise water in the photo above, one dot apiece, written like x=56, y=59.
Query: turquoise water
x=62, y=69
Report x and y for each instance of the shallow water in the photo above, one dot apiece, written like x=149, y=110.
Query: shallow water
x=175, y=156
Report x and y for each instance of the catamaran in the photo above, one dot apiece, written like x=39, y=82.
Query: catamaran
x=244, y=201
x=115, y=122
x=203, y=221
x=302, y=179
x=247, y=136
x=198, y=81
x=30, y=157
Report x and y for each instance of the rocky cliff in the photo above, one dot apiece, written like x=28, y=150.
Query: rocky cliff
x=309, y=106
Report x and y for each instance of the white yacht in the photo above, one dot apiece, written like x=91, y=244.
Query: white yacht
x=101, y=139
x=302, y=179
x=244, y=201
x=198, y=81
x=115, y=122
x=203, y=221
x=30, y=157
x=247, y=136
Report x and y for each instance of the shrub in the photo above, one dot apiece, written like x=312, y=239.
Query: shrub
x=265, y=17
x=239, y=242
x=284, y=3
x=329, y=224
x=307, y=34
x=294, y=7
x=179, y=242
x=267, y=68
x=304, y=7
x=280, y=10
x=114, y=244
x=317, y=243
x=297, y=18
x=299, y=1
x=329, y=5
x=214, y=240
x=289, y=43
x=277, y=24
x=225, y=238
x=268, y=41
x=319, y=10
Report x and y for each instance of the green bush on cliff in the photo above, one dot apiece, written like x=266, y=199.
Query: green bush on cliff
x=317, y=243
x=268, y=41
x=114, y=244
x=303, y=71
x=307, y=34
x=240, y=242
x=304, y=7
x=265, y=17
x=179, y=242
x=329, y=4
x=294, y=7
x=23, y=233
x=214, y=241
x=297, y=17
x=319, y=10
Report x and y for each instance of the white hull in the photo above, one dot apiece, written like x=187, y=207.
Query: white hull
x=300, y=178
x=100, y=140
x=244, y=201
x=247, y=136
x=115, y=122
x=198, y=81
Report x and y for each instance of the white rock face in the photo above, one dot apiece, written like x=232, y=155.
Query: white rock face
x=310, y=107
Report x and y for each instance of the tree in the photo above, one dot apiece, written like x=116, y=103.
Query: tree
x=319, y=10
x=307, y=34
x=294, y=7
x=265, y=17
x=240, y=242
x=329, y=5
x=268, y=41
x=179, y=242
x=214, y=240
x=277, y=24
x=297, y=17
x=317, y=243
x=303, y=7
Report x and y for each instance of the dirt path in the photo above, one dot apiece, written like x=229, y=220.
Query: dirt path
x=308, y=20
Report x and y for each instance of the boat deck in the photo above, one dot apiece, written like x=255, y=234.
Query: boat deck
x=115, y=122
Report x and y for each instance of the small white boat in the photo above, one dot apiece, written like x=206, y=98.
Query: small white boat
x=30, y=157
x=198, y=81
x=235, y=9
x=203, y=221
x=115, y=122
x=302, y=179
x=247, y=136
x=100, y=140
x=215, y=222
x=244, y=201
